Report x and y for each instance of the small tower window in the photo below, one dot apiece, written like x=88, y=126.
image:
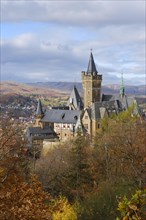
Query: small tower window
x=71, y=100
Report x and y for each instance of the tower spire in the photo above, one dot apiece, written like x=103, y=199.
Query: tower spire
x=39, y=111
x=122, y=88
x=91, y=65
x=91, y=81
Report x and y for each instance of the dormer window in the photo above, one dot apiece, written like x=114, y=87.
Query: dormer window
x=63, y=115
x=71, y=100
x=76, y=117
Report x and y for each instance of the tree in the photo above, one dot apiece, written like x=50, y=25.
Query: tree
x=12, y=151
x=80, y=177
x=21, y=194
x=53, y=168
x=67, y=169
x=22, y=200
x=133, y=208
x=66, y=211
x=120, y=149
x=27, y=201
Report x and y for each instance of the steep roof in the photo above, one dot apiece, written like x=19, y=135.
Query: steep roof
x=39, y=110
x=99, y=109
x=124, y=101
x=107, y=97
x=91, y=65
x=39, y=133
x=75, y=99
x=113, y=104
x=39, y=130
x=61, y=116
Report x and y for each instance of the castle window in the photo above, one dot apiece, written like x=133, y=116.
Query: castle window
x=94, y=84
x=86, y=126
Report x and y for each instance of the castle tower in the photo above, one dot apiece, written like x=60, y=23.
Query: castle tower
x=91, y=84
x=39, y=113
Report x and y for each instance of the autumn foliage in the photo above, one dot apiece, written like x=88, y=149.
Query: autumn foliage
x=79, y=179
x=21, y=200
x=21, y=194
x=133, y=208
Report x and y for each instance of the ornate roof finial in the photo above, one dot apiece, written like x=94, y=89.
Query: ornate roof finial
x=122, y=88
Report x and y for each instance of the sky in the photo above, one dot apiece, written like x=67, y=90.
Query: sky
x=52, y=40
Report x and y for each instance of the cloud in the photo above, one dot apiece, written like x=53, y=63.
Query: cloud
x=74, y=12
x=46, y=40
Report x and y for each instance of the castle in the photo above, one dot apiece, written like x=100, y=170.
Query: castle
x=60, y=123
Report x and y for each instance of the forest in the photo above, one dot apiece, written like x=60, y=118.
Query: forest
x=102, y=178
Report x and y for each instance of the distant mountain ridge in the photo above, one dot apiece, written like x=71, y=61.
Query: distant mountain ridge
x=106, y=89
x=27, y=89
x=63, y=88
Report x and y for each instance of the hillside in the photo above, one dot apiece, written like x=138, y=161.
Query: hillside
x=8, y=88
x=60, y=89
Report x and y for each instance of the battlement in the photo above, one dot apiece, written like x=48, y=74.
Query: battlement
x=92, y=76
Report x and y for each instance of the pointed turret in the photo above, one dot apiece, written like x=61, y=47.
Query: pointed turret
x=75, y=101
x=91, y=65
x=39, y=111
x=122, y=88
